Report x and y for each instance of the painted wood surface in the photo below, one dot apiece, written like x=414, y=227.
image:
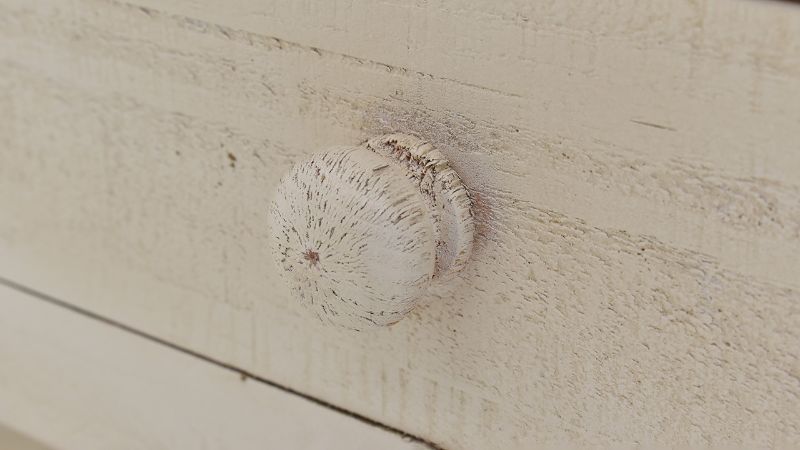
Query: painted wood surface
x=77, y=383
x=635, y=276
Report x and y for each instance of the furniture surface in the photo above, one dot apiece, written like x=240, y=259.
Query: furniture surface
x=633, y=166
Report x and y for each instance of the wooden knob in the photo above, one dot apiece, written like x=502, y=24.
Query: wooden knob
x=360, y=234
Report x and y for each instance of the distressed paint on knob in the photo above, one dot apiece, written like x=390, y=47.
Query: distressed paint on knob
x=361, y=233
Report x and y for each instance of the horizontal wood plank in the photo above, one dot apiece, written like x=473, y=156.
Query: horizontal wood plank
x=634, y=279
x=77, y=383
x=751, y=225
x=719, y=75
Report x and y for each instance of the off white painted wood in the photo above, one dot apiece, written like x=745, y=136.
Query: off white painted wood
x=76, y=383
x=604, y=74
x=635, y=276
x=722, y=183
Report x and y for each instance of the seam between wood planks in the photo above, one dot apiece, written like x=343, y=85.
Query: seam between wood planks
x=245, y=374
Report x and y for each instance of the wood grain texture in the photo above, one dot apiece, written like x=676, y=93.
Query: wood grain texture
x=77, y=383
x=635, y=273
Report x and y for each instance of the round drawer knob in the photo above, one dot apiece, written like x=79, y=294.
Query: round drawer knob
x=360, y=234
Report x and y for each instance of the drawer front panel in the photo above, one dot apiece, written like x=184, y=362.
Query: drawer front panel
x=634, y=276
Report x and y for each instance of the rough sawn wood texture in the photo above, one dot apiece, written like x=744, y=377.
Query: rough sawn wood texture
x=634, y=167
